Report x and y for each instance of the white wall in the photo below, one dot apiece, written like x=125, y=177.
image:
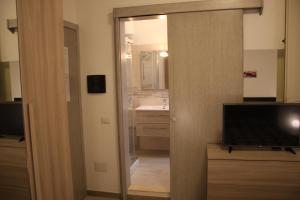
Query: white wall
x=8, y=41
x=97, y=57
x=152, y=31
x=266, y=31
x=264, y=62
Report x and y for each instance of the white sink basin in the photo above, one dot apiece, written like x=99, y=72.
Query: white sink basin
x=154, y=108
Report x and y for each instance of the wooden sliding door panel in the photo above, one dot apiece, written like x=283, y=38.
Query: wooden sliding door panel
x=292, y=93
x=40, y=26
x=206, y=64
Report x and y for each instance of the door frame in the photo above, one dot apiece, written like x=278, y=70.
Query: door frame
x=75, y=27
x=153, y=10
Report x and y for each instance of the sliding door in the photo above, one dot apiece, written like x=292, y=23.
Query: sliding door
x=292, y=93
x=206, y=63
x=41, y=40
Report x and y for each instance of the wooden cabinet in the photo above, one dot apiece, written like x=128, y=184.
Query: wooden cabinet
x=14, y=182
x=152, y=116
x=252, y=175
x=153, y=129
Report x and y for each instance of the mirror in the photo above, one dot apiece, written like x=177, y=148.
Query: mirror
x=146, y=54
x=154, y=70
x=12, y=136
x=10, y=83
x=264, y=54
x=264, y=75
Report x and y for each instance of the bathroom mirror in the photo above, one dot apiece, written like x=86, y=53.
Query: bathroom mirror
x=154, y=70
x=10, y=83
x=264, y=75
x=264, y=55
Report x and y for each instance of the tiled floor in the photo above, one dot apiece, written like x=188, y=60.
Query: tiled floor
x=152, y=174
x=98, y=198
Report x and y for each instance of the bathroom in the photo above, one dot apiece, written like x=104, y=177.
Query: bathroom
x=146, y=69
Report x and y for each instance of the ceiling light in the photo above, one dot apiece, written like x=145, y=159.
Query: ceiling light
x=163, y=54
x=128, y=56
x=162, y=16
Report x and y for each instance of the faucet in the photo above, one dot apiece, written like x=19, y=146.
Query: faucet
x=164, y=103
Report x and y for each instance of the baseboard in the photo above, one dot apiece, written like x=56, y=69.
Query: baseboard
x=104, y=194
x=137, y=196
x=141, y=197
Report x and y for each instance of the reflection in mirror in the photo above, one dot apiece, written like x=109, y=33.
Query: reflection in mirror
x=147, y=54
x=154, y=70
x=264, y=54
x=10, y=84
x=264, y=75
x=15, y=182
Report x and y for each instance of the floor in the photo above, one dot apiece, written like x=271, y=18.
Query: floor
x=151, y=175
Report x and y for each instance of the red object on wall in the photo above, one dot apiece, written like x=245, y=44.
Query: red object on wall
x=250, y=74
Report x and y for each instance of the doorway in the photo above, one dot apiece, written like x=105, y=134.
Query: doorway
x=145, y=105
x=72, y=78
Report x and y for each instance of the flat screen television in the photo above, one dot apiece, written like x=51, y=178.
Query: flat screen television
x=261, y=125
x=11, y=119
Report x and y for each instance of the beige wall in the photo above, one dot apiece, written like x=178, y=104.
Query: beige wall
x=266, y=31
x=8, y=41
x=264, y=62
x=70, y=11
x=97, y=57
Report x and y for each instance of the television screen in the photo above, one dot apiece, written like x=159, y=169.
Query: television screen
x=271, y=125
x=11, y=119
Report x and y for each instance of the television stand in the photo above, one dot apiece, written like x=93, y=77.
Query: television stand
x=245, y=170
x=291, y=150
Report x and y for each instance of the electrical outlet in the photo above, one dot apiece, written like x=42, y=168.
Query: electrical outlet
x=100, y=167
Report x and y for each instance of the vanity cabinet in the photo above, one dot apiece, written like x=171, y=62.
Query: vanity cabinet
x=153, y=116
x=153, y=129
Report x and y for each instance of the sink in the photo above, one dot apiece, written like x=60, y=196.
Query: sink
x=153, y=108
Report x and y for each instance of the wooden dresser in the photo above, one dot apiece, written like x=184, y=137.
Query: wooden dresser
x=252, y=174
x=14, y=183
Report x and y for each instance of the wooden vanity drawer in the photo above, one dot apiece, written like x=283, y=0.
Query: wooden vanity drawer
x=152, y=117
x=153, y=130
